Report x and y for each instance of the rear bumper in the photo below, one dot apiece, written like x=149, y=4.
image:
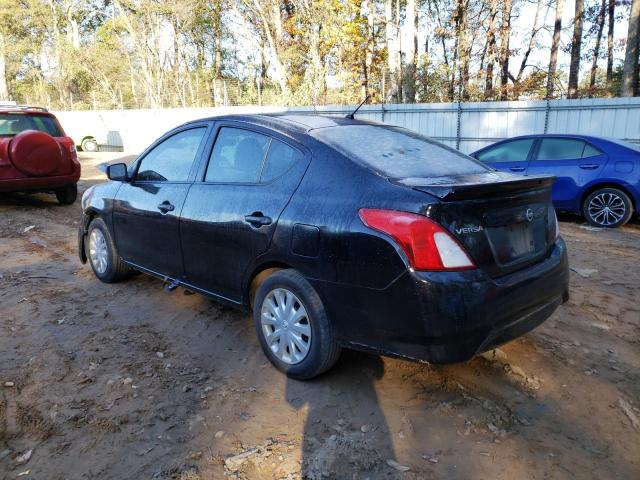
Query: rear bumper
x=39, y=184
x=447, y=317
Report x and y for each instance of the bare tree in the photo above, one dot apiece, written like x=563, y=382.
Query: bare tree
x=411, y=52
x=612, y=21
x=576, y=44
x=491, y=48
x=532, y=38
x=555, y=45
x=505, y=32
x=630, y=70
x=596, y=49
x=464, y=46
x=391, y=12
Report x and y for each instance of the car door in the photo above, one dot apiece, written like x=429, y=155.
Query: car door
x=230, y=215
x=509, y=156
x=146, y=210
x=573, y=161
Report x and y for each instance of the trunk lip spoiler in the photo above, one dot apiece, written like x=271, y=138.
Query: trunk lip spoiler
x=465, y=187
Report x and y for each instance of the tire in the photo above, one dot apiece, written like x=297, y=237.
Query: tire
x=89, y=145
x=619, y=208
x=67, y=195
x=323, y=350
x=36, y=154
x=113, y=269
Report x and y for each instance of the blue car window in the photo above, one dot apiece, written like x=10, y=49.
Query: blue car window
x=590, y=151
x=237, y=156
x=560, y=149
x=515, y=151
x=171, y=160
x=281, y=157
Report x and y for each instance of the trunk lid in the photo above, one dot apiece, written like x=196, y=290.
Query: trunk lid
x=505, y=222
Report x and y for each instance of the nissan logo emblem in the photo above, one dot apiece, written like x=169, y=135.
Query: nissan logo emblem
x=529, y=214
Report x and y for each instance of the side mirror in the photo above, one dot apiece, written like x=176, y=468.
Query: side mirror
x=118, y=172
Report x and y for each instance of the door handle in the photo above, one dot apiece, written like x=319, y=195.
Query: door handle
x=588, y=166
x=166, y=207
x=517, y=169
x=257, y=219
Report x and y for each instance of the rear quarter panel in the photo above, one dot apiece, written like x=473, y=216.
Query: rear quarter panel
x=328, y=199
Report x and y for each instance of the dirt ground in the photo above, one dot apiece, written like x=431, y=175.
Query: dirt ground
x=125, y=381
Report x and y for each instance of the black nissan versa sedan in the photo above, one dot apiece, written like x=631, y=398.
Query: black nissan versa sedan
x=336, y=233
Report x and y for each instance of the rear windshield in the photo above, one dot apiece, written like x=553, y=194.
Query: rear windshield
x=397, y=152
x=14, y=123
x=631, y=146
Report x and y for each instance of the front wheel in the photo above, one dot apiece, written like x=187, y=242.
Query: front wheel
x=292, y=326
x=67, y=195
x=102, y=255
x=607, y=207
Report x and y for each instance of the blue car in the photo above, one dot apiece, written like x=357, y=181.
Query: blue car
x=596, y=177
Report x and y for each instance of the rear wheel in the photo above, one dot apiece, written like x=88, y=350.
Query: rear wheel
x=101, y=252
x=89, y=145
x=67, y=195
x=292, y=326
x=607, y=207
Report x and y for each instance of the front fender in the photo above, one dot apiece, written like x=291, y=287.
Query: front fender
x=97, y=201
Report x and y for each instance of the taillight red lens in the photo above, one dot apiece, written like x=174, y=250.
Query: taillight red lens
x=427, y=245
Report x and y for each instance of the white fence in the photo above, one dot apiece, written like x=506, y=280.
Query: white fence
x=467, y=126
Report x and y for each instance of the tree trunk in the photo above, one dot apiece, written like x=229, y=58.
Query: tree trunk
x=4, y=91
x=491, y=48
x=555, y=44
x=391, y=29
x=371, y=45
x=411, y=56
x=464, y=48
x=612, y=21
x=505, y=31
x=630, y=70
x=576, y=44
x=596, y=49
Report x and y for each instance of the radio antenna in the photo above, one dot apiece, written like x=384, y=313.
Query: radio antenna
x=351, y=115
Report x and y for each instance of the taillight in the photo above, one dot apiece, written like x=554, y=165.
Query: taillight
x=427, y=245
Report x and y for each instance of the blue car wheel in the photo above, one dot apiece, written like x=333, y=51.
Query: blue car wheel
x=607, y=207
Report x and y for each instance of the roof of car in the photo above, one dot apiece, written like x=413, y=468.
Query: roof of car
x=28, y=109
x=294, y=123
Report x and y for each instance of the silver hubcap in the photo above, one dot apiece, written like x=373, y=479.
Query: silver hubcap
x=98, y=251
x=285, y=326
x=607, y=208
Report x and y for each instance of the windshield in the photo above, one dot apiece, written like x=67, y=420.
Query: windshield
x=14, y=123
x=397, y=152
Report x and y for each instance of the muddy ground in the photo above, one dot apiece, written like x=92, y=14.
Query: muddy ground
x=125, y=381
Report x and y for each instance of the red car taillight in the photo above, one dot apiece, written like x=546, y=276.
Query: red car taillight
x=427, y=245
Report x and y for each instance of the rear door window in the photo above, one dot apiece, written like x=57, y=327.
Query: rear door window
x=172, y=159
x=514, y=151
x=560, y=149
x=237, y=156
x=397, y=152
x=280, y=159
x=590, y=151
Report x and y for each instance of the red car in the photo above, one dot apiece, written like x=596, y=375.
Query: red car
x=36, y=155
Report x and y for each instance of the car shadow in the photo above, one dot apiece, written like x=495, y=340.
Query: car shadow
x=343, y=432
